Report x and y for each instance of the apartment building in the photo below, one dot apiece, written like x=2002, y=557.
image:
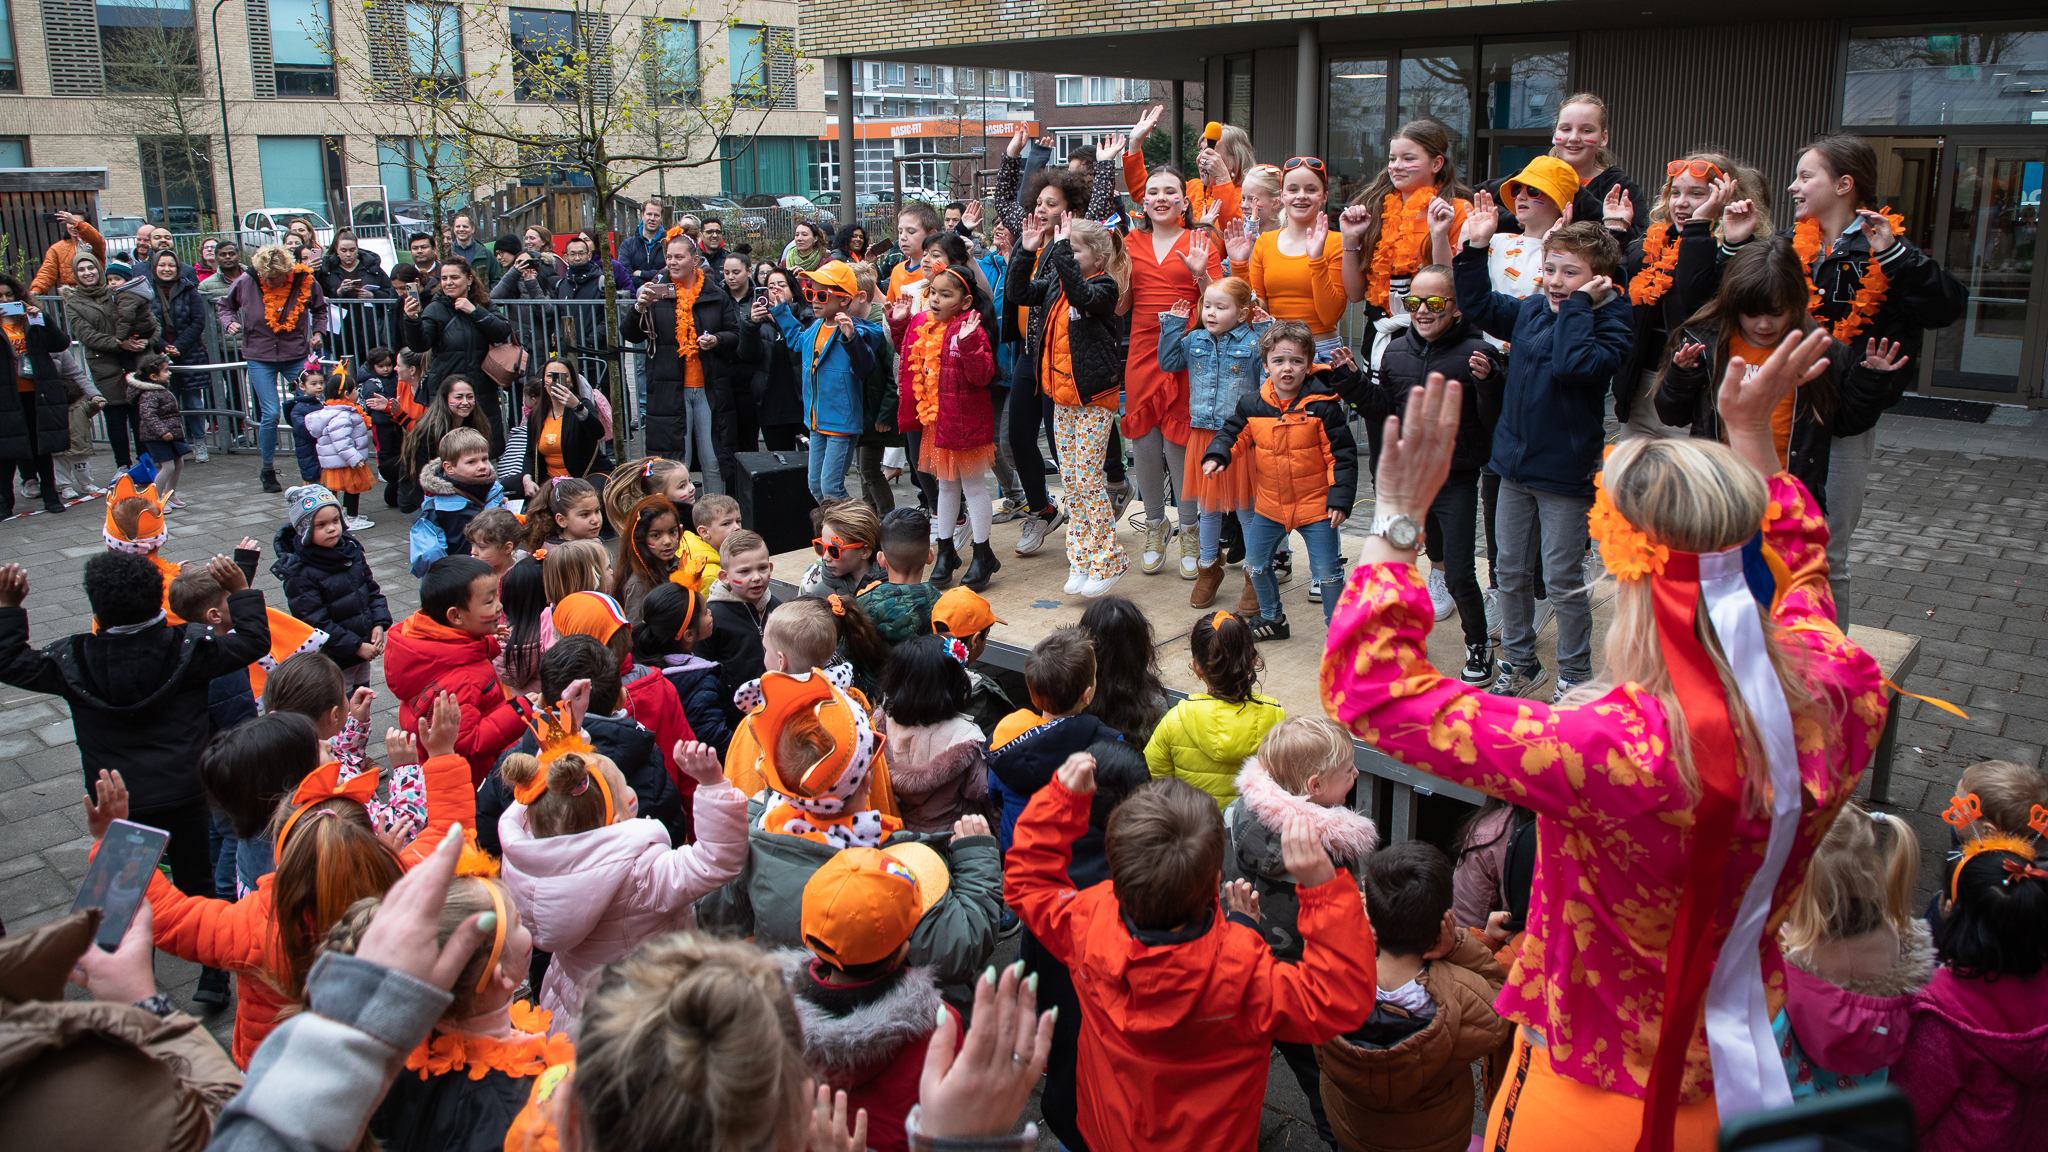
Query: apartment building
x=300, y=85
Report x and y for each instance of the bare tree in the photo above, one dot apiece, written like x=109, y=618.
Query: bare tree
x=156, y=92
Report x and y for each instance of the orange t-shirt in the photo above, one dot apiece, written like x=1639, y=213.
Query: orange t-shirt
x=1302, y=288
x=1781, y=417
x=902, y=274
x=551, y=446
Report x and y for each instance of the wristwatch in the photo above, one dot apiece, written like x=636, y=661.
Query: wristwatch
x=1399, y=528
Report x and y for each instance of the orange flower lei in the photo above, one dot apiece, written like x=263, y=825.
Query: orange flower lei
x=1660, y=256
x=686, y=320
x=283, y=305
x=1624, y=549
x=1869, y=294
x=1404, y=230
x=528, y=1054
x=924, y=354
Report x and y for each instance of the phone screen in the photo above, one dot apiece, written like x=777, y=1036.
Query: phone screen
x=118, y=877
x=13, y=308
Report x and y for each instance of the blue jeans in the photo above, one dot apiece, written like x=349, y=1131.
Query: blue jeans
x=831, y=456
x=195, y=392
x=1262, y=536
x=264, y=378
x=222, y=834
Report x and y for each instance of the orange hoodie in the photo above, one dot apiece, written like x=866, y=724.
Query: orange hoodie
x=241, y=935
x=1177, y=1036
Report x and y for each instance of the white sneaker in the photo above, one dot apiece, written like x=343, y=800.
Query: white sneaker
x=1190, y=552
x=33, y=489
x=1101, y=585
x=199, y=454
x=1075, y=579
x=174, y=501
x=1564, y=688
x=1493, y=612
x=360, y=523
x=1440, y=595
x=1153, y=557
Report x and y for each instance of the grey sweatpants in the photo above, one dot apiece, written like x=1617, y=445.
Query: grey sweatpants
x=1562, y=526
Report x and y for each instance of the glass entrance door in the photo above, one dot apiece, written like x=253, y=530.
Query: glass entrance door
x=1988, y=239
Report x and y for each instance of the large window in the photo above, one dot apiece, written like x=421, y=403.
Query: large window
x=301, y=54
x=13, y=151
x=406, y=163
x=1522, y=83
x=1929, y=75
x=1357, y=117
x=672, y=72
x=433, y=45
x=1436, y=84
x=749, y=67
x=1099, y=90
x=299, y=171
x=177, y=181
x=10, y=76
x=1497, y=112
x=1237, y=92
x=871, y=163
x=763, y=165
x=150, y=47
x=544, y=53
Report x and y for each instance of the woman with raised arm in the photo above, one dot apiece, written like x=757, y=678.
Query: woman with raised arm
x=1678, y=798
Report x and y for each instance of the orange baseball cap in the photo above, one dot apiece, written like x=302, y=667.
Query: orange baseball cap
x=963, y=612
x=836, y=275
x=865, y=902
x=589, y=614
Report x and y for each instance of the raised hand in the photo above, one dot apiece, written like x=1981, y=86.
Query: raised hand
x=1884, y=355
x=1599, y=288
x=1482, y=221
x=844, y=324
x=1747, y=400
x=1342, y=357
x=1065, y=226
x=13, y=586
x=978, y=1088
x=1563, y=218
x=1200, y=247
x=1688, y=354
x=405, y=930
x=1440, y=213
x=107, y=803
x=1303, y=855
x=1239, y=897
x=1180, y=309
x=1111, y=148
x=1353, y=223
x=359, y=703
x=1720, y=193
x=899, y=309
x=1877, y=227
x=1318, y=233
x=1146, y=123
x=968, y=323
x=1238, y=244
x=971, y=215
x=1077, y=775
x=400, y=748
x=1482, y=365
x=1017, y=142
x=829, y=1131
x=438, y=729
x=1034, y=233
x=576, y=698
x=1738, y=221
x=699, y=762
x=227, y=573
x=1416, y=447
x=1259, y=313
x=1210, y=213
x=1617, y=210
x=970, y=825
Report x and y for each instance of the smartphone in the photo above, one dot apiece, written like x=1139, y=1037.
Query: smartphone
x=117, y=880
x=1876, y=1119
x=1692, y=339
x=664, y=289
x=13, y=308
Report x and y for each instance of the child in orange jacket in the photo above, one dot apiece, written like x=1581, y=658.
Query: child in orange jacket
x=328, y=856
x=1180, y=1008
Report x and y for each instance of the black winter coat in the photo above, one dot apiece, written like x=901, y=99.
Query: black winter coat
x=715, y=313
x=139, y=701
x=297, y=406
x=773, y=374
x=1094, y=336
x=180, y=313
x=582, y=436
x=1693, y=283
x=331, y=589
x=645, y=259
x=735, y=644
x=627, y=744
x=449, y=1112
x=1922, y=294
x=1684, y=399
x=458, y=342
x=369, y=269
x=1406, y=365
x=52, y=431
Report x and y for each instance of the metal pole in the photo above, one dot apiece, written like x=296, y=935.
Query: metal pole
x=1307, y=66
x=1179, y=118
x=849, y=168
x=227, y=148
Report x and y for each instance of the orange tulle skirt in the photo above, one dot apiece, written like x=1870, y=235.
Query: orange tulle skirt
x=953, y=463
x=356, y=479
x=1229, y=490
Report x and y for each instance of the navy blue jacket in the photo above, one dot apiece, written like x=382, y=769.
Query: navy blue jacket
x=1559, y=370
x=698, y=686
x=1027, y=763
x=331, y=589
x=297, y=407
x=619, y=739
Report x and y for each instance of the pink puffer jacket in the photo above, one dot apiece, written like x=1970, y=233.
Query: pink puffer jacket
x=1977, y=1069
x=592, y=897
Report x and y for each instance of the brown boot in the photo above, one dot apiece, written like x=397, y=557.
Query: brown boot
x=1248, y=600
x=1207, y=580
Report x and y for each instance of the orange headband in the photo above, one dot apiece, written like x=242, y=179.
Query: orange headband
x=477, y=863
x=1965, y=810
x=321, y=785
x=689, y=613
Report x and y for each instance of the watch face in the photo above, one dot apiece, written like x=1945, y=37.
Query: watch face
x=1402, y=533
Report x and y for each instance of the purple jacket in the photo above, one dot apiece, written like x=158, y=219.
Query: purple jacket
x=243, y=305
x=1977, y=1069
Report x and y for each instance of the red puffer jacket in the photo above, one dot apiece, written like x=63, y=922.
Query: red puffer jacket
x=1178, y=1027
x=425, y=659
x=966, y=418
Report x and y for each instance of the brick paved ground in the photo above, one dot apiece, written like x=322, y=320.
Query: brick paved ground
x=1953, y=547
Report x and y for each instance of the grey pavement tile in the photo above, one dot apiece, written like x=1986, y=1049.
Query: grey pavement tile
x=33, y=892
x=36, y=799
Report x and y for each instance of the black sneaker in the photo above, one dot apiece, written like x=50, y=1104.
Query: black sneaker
x=213, y=986
x=1478, y=664
x=1283, y=567
x=1270, y=628
x=270, y=483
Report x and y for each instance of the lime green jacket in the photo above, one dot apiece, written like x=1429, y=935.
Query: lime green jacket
x=1204, y=741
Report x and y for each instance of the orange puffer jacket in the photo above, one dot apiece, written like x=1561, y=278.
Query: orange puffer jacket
x=1305, y=459
x=241, y=935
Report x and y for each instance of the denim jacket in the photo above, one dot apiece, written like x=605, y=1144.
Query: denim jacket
x=1219, y=369
x=833, y=383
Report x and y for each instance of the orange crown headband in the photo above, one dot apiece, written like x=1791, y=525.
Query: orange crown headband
x=149, y=527
x=480, y=864
x=323, y=784
x=550, y=725
x=1965, y=810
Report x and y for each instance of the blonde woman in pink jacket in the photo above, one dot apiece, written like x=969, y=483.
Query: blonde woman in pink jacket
x=593, y=881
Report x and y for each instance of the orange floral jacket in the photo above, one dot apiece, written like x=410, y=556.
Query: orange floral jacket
x=1612, y=817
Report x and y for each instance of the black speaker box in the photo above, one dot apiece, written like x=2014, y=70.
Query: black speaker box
x=775, y=498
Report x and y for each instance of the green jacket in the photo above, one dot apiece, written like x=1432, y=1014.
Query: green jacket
x=900, y=611
x=1204, y=741
x=955, y=938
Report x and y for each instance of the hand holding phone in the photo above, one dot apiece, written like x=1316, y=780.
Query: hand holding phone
x=117, y=880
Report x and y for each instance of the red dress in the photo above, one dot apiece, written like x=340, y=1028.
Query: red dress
x=1153, y=397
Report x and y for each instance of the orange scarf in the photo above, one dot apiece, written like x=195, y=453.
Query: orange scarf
x=925, y=353
x=283, y=305
x=1869, y=293
x=686, y=332
x=1660, y=256
x=1404, y=235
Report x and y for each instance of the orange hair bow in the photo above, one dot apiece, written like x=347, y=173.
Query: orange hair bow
x=2015, y=870
x=2037, y=819
x=322, y=784
x=1216, y=621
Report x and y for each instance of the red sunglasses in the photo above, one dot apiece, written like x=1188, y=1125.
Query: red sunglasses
x=833, y=549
